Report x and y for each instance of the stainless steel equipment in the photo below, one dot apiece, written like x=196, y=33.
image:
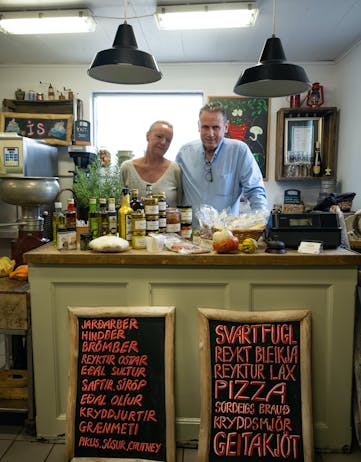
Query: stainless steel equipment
x=28, y=193
x=28, y=184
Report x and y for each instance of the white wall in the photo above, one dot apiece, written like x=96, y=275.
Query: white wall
x=213, y=79
x=349, y=97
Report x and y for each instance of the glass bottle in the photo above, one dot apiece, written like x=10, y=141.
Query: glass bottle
x=135, y=202
x=317, y=166
x=93, y=218
x=125, y=217
x=103, y=217
x=70, y=215
x=112, y=217
x=58, y=221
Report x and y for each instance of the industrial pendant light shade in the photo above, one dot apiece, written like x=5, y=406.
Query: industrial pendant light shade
x=124, y=63
x=272, y=76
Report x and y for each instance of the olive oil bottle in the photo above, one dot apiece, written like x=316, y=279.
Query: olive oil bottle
x=125, y=217
x=93, y=218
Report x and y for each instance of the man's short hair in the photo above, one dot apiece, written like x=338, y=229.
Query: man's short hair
x=215, y=106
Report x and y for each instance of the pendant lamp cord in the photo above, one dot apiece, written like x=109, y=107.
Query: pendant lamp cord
x=125, y=10
x=274, y=19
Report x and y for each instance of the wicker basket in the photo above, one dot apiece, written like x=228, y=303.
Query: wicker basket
x=242, y=234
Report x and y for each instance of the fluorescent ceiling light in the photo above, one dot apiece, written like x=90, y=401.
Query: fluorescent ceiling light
x=206, y=16
x=47, y=22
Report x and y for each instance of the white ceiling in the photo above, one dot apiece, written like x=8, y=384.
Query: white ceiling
x=310, y=30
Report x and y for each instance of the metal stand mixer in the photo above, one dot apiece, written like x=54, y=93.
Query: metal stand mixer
x=28, y=193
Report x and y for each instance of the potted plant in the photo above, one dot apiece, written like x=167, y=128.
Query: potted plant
x=97, y=181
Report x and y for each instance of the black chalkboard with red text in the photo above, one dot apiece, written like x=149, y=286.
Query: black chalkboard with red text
x=255, y=386
x=121, y=379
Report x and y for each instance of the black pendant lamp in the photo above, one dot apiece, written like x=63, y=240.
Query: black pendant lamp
x=124, y=63
x=272, y=76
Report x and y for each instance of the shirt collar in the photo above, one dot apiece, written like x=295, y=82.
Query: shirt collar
x=216, y=152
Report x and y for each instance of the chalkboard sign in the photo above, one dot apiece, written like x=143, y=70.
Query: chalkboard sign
x=255, y=386
x=121, y=379
x=52, y=128
x=82, y=132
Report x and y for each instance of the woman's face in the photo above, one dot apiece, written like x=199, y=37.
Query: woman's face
x=159, y=139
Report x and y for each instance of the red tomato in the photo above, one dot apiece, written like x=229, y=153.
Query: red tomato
x=226, y=246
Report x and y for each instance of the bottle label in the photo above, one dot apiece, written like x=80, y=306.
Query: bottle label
x=151, y=209
x=112, y=220
x=186, y=216
x=128, y=227
x=138, y=242
x=139, y=225
x=173, y=227
x=152, y=225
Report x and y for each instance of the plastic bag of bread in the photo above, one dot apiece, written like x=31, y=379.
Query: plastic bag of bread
x=109, y=244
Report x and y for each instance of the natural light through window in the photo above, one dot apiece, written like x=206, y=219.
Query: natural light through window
x=121, y=119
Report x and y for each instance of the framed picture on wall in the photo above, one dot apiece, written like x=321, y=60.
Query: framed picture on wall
x=249, y=120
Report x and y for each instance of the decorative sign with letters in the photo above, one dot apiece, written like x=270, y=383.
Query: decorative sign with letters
x=52, y=128
x=255, y=386
x=120, y=398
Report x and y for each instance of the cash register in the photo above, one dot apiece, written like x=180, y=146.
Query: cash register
x=292, y=228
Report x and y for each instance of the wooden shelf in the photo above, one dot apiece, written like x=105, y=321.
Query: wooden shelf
x=329, y=116
x=42, y=107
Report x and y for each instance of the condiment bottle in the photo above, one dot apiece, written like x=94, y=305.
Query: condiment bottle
x=70, y=215
x=51, y=93
x=151, y=210
x=138, y=229
x=103, y=217
x=93, y=218
x=125, y=217
x=316, y=169
x=112, y=216
x=58, y=221
x=173, y=220
x=135, y=202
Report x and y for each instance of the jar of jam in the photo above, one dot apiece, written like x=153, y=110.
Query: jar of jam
x=173, y=220
x=186, y=213
x=186, y=231
x=162, y=222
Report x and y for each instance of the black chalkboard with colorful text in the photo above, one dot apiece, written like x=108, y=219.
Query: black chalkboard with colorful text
x=121, y=378
x=255, y=386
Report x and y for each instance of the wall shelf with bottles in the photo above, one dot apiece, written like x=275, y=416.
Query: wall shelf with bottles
x=67, y=106
x=298, y=131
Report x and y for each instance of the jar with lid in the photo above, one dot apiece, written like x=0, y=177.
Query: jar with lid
x=186, y=213
x=138, y=229
x=163, y=222
x=162, y=203
x=173, y=220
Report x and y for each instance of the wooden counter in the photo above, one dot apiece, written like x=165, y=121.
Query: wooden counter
x=325, y=284
x=48, y=254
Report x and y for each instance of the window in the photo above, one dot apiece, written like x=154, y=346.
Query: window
x=121, y=119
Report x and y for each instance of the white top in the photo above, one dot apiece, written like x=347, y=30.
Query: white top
x=170, y=182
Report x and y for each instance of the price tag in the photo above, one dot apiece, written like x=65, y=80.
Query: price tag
x=310, y=247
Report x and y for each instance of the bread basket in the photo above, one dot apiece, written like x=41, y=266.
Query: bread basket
x=242, y=234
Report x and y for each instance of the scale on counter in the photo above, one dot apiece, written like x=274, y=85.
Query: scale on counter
x=292, y=228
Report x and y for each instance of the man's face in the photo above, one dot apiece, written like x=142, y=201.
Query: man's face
x=159, y=139
x=212, y=129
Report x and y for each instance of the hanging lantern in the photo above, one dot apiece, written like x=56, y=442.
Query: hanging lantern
x=315, y=97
